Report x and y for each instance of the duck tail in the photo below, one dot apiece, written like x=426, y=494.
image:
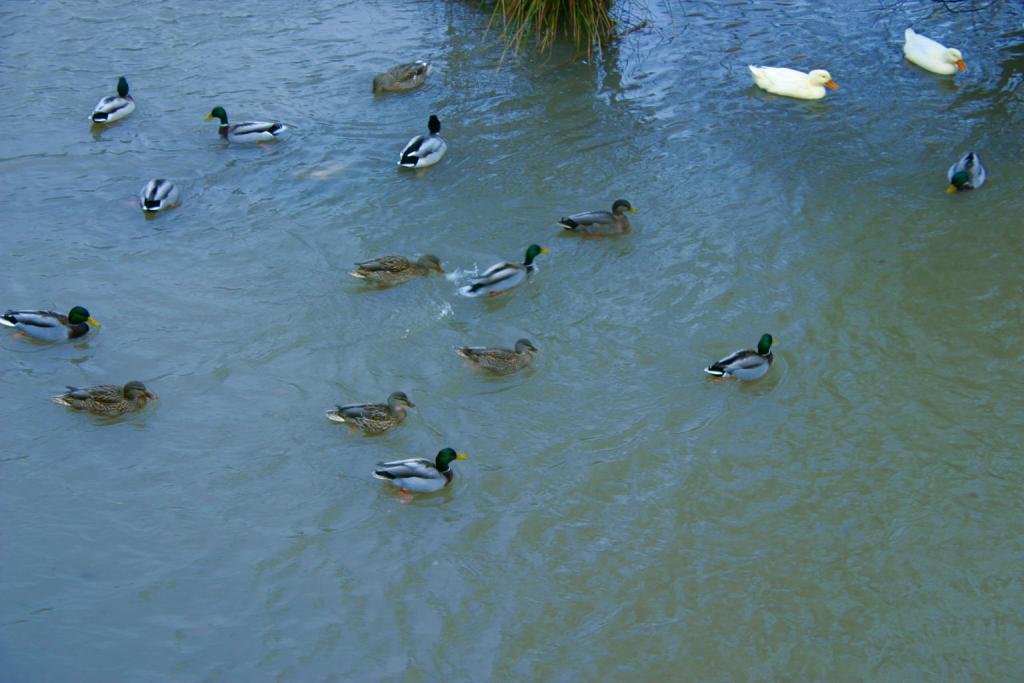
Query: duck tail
x=715, y=370
x=568, y=223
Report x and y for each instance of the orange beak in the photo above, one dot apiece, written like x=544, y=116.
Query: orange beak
x=151, y=397
x=960, y=65
x=832, y=84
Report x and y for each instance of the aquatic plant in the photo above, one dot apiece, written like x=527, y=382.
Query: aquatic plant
x=587, y=23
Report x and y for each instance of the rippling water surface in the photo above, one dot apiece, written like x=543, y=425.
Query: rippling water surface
x=855, y=515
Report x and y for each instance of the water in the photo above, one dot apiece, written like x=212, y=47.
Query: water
x=856, y=515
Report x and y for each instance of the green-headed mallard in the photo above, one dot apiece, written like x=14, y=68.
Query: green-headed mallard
x=502, y=277
x=248, y=131
x=966, y=174
x=110, y=400
x=424, y=150
x=373, y=417
x=394, y=270
x=792, y=83
x=746, y=364
x=50, y=325
x=499, y=359
x=401, y=77
x=931, y=55
x=157, y=195
x=600, y=223
x=419, y=475
x=114, y=107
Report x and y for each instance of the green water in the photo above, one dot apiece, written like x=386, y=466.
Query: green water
x=855, y=515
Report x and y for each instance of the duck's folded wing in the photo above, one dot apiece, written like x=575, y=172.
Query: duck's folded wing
x=34, y=318
x=490, y=353
x=411, y=151
x=390, y=264
x=420, y=468
x=249, y=127
x=588, y=218
x=499, y=271
x=104, y=393
x=744, y=358
x=430, y=145
x=360, y=410
x=109, y=105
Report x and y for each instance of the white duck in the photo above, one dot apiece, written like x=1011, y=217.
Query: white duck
x=792, y=83
x=931, y=55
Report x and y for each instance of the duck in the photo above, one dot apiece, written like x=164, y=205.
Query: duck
x=931, y=55
x=109, y=400
x=50, y=325
x=499, y=359
x=746, y=364
x=792, y=83
x=424, y=150
x=600, y=223
x=373, y=417
x=394, y=270
x=502, y=277
x=114, y=107
x=402, y=77
x=157, y=195
x=419, y=475
x=248, y=131
x=966, y=174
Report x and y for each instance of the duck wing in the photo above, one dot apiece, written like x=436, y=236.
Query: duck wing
x=410, y=153
x=108, y=106
x=388, y=264
x=362, y=411
x=39, y=319
x=498, y=274
x=250, y=127
x=413, y=468
x=744, y=358
x=587, y=218
x=486, y=353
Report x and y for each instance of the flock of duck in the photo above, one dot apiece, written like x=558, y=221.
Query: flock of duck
x=419, y=475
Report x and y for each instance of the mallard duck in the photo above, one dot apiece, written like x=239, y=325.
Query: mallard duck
x=419, y=475
x=966, y=174
x=114, y=107
x=373, y=417
x=157, y=195
x=50, y=325
x=600, y=223
x=402, y=77
x=931, y=55
x=110, y=400
x=248, y=131
x=499, y=359
x=502, y=277
x=394, y=270
x=424, y=150
x=746, y=364
x=792, y=83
